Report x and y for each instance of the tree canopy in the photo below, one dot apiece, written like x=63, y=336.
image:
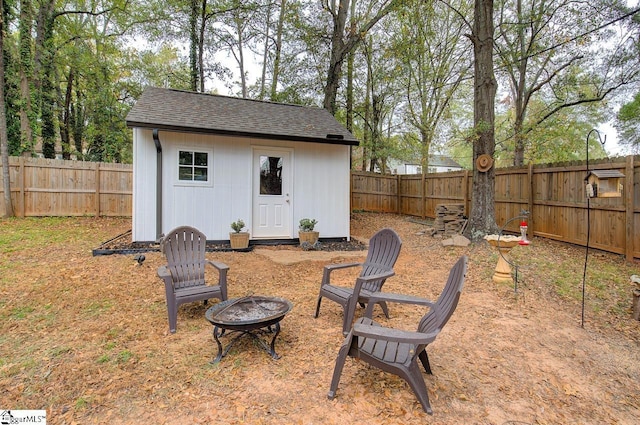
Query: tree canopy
x=398, y=73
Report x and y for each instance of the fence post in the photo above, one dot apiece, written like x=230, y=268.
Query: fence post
x=21, y=194
x=97, y=201
x=465, y=191
x=399, y=201
x=629, y=209
x=423, y=206
x=530, y=220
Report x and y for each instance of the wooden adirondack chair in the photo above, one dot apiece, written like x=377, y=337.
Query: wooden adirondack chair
x=183, y=276
x=397, y=351
x=384, y=248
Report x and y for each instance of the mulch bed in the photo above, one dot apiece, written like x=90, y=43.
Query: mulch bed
x=122, y=244
x=86, y=337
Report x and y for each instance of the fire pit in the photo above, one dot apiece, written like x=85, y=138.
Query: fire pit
x=252, y=315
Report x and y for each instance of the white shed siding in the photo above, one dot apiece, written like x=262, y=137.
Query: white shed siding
x=321, y=184
x=144, y=186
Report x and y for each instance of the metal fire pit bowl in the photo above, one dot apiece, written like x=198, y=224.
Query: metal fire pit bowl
x=252, y=315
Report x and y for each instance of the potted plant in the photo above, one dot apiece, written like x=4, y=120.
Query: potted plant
x=306, y=233
x=238, y=238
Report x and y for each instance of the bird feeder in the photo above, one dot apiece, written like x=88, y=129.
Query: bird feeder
x=523, y=232
x=604, y=184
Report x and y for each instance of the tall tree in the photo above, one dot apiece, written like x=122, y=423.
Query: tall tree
x=429, y=45
x=195, y=46
x=482, y=219
x=562, y=65
x=237, y=33
x=343, y=42
x=278, y=50
x=27, y=121
x=4, y=142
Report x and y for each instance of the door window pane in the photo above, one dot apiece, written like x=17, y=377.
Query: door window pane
x=270, y=175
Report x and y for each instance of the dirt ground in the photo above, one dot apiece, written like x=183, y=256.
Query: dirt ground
x=87, y=337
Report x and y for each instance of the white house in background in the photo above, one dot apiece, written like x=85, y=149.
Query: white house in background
x=207, y=160
x=437, y=164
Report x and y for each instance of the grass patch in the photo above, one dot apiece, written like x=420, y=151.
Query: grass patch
x=21, y=312
x=98, y=307
x=124, y=356
x=27, y=233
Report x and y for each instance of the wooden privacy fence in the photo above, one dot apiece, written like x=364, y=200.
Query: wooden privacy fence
x=52, y=187
x=554, y=195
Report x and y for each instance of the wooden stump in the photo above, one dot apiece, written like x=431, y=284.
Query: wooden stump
x=636, y=304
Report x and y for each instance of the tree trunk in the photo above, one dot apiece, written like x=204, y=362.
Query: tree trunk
x=64, y=114
x=482, y=220
x=366, y=133
x=425, y=145
x=47, y=88
x=193, y=45
x=26, y=73
x=243, y=77
x=203, y=25
x=265, y=53
x=350, y=68
x=520, y=139
x=276, y=59
x=519, y=98
x=77, y=122
x=4, y=142
x=337, y=57
x=341, y=46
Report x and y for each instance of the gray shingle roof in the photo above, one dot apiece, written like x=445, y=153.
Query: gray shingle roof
x=177, y=110
x=443, y=161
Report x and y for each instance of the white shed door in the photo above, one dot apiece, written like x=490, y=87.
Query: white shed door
x=271, y=193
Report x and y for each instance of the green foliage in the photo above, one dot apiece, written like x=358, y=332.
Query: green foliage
x=237, y=225
x=407, y=79
x=307, y=224
x=628, y=124
x=562, y=137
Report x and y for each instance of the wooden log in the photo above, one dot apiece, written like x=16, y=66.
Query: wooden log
x=636, y=304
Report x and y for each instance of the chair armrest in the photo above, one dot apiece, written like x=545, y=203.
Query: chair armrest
x=397, y=298
x=163, y=272
x=326, y=275
x=222, y=277
x=218, y=265
x=357, y=293
x=167, y=279
x=361, y=280
x=395, y=335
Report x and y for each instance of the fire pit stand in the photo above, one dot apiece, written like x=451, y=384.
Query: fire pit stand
x=252, y=315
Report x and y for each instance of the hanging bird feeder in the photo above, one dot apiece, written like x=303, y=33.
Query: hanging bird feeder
x=604, y=183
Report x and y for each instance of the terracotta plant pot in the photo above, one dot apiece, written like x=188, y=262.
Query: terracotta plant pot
x=310, y=237
x=239, y=240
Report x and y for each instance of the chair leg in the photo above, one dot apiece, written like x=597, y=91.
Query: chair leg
x=348, y=315
x=318, y=306
x=337, y=371
x=424, y=358
x=415, y=380
x=385, y=309
x=172, y=312
x=382, y=305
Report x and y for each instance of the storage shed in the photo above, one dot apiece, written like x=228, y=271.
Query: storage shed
x=207, y=160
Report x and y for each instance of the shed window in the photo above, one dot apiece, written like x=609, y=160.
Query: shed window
x=193, y=166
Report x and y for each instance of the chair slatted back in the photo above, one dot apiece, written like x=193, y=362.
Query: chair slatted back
x=446, y=304
x=384, y=249
x=185, y=249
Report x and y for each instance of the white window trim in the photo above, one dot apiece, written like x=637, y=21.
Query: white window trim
x=193, y=183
